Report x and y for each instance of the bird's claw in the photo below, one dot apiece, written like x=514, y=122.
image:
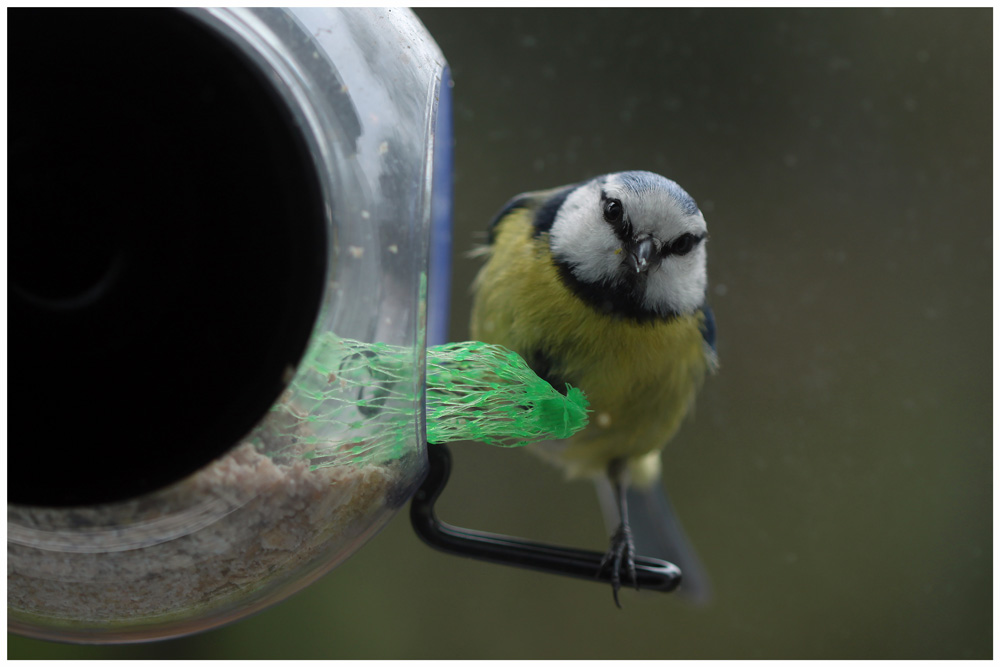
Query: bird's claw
x=620, y=552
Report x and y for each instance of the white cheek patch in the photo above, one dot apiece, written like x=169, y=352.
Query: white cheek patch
x=582, y=239
x=679, y=283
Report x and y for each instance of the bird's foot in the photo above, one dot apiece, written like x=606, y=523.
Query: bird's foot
x=621, y=552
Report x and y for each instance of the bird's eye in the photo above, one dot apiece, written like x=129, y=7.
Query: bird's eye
x=613, y=211
x=684, y=244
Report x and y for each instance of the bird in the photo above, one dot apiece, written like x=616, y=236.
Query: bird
x=601, y=285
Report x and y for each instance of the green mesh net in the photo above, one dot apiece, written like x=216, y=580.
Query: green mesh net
x=487, y=393
x=354, y=402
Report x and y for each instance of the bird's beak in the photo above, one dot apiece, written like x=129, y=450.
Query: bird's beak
x=641, y=254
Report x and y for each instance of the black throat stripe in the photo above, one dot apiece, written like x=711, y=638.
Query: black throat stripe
x=623, y=299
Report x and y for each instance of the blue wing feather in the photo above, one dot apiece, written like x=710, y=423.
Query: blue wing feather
x=708, y=326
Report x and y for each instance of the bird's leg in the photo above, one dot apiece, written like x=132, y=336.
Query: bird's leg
x=622, y=549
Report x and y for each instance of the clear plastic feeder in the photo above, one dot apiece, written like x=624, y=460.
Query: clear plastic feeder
x=365, y=95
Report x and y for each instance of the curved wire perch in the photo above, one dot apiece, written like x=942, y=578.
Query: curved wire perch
x=651, y=573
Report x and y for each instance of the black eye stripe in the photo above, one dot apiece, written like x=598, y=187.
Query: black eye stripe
x=616, y=216
x=683, y=244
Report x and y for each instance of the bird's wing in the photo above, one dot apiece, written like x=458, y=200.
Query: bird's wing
x=708, y=326
x=543, y=204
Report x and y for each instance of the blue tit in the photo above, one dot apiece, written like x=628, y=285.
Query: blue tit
x=601, y=285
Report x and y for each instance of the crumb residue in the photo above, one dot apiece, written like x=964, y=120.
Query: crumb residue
x=246, y=521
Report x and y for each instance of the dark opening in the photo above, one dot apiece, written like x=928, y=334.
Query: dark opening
x=166, y=249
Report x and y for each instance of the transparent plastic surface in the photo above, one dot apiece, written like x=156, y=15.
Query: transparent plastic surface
x=263, y=521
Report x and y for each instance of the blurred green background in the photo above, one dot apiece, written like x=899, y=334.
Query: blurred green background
x=837, y=478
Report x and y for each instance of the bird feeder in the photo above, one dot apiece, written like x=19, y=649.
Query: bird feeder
x=229, y=251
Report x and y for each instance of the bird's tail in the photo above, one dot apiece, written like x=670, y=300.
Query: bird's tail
x=657, y=532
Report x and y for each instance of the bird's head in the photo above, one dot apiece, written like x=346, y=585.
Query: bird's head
x=632, y=243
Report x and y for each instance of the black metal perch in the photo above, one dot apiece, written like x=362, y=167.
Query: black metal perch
x=651, y=573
